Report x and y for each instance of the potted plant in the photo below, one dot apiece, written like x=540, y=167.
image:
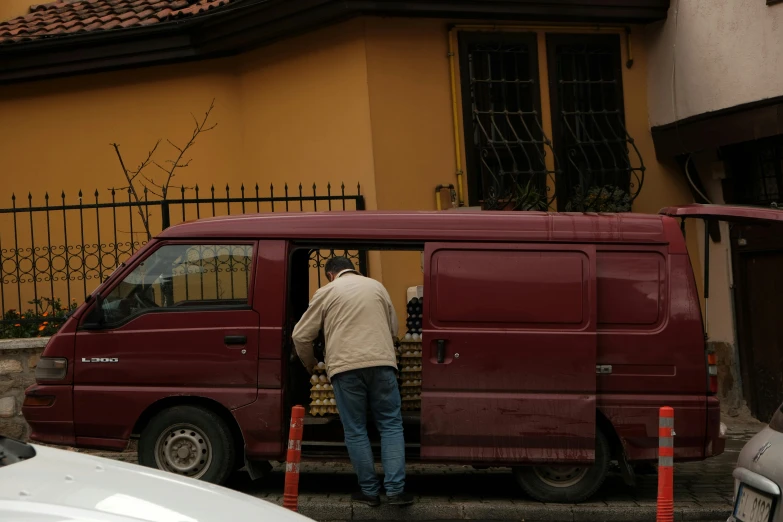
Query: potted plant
x=608, y=198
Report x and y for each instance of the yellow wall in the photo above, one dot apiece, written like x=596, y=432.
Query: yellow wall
x=293, y=112
x=410, y=108
x=13, y=8
x=367, y=101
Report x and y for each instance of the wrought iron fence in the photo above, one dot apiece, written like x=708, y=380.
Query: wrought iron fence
x=52, y=255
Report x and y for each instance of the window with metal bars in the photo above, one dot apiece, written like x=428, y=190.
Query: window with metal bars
x=505, y=142
x=756, y=171
x=599, y=165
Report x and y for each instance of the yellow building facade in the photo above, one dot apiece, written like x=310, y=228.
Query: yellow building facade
x=369, y=101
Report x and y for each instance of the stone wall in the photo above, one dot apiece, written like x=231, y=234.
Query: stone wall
x=18, y=359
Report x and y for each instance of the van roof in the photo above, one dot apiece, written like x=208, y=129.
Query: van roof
x=436, y=226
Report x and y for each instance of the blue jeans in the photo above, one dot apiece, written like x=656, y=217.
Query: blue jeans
x=376, y=387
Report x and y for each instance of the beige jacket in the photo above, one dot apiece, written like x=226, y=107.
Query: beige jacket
x=359, y=324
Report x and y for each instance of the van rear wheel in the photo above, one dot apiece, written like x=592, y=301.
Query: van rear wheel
x=189, y=441
x=569, y=483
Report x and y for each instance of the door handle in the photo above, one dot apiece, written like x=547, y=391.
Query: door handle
x=235, y=340
x=441, y=351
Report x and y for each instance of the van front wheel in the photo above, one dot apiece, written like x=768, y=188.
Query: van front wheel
x=566, y=483
x=189, y=441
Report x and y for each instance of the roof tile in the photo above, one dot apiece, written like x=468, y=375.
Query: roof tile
x=64, y=18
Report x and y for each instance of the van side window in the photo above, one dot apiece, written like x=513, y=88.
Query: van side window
x=474, y=288
x=630, y=287
x=182, y=276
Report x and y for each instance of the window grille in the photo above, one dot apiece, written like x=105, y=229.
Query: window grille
x=505, y=142
x=756, y=171
x=602, y=169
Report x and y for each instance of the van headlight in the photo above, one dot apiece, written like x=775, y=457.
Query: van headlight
x=51, y=369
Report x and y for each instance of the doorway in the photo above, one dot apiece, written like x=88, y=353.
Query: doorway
x=758, y=274
x=757, y=257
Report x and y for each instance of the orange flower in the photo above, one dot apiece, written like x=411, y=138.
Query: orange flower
x=17, y=324
x=45, y=323
x=41, y=328
x=45, y=314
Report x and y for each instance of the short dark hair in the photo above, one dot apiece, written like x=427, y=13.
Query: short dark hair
x=337, y=264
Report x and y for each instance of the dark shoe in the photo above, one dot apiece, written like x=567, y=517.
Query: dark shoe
x=366, y=499
x=403, y=499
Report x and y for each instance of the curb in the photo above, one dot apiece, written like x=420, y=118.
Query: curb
x=32, y=343
x=424, y=510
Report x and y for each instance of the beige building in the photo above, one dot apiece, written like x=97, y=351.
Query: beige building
x=714, y=92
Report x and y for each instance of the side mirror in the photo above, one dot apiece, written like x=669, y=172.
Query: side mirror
x=96, y=319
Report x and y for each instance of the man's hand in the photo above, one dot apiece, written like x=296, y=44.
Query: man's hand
x=310, y=369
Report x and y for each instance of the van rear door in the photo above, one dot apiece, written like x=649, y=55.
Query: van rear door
x=509, y=353
x=730, y=213
x=738, y=215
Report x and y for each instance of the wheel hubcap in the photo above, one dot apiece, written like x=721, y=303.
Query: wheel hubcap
x=561, y=476
x=183, y=449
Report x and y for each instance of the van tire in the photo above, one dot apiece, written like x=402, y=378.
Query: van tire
x=175, y=438
x=576, y=486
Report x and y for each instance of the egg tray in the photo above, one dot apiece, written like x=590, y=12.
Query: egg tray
x=319, y=411
x=411, y=402
x=321, y=394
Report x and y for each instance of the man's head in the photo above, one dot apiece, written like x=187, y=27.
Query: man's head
x=335, y=265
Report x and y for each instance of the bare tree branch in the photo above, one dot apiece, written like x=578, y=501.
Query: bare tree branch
x=131, y=188
x=172, y=144
x=146, y=161
x=138, y=181
x=151, y=181
x=154, y=193
x=200, y=128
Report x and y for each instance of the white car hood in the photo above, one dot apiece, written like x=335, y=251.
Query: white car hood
x=64, y=486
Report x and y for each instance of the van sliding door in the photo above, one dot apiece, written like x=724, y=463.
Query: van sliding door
x=509, y=353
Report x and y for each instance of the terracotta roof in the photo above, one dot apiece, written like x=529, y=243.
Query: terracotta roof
x=69, y=17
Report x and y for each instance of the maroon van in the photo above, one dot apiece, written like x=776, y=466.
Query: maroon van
x=549, y=342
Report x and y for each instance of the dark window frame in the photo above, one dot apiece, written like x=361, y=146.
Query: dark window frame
x=743, y=184
x=561, y=147
x=230, y=304
x=475, y=175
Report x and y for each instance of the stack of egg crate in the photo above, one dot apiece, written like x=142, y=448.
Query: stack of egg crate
x=322, y=393
x=410, y=357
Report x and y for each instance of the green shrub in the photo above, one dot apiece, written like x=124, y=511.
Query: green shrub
x=43, y=320
x=599, y=199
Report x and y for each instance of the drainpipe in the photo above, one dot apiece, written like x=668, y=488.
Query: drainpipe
x=455, y=121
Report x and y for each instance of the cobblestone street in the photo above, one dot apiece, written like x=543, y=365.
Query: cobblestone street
x=703, y=492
